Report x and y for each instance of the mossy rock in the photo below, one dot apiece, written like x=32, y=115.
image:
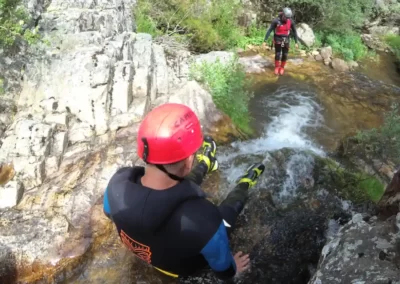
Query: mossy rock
x=348, y=184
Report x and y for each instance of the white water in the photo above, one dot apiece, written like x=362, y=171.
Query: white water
x=288, y=115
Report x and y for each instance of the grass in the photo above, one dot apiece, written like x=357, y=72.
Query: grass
x=229, y=87
x=204, y=25
x=373, y=187
x=394, y=42
x=355, y=186
x=347, y=46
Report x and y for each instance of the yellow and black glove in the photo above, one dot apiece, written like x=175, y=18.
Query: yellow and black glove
x=252, y=174
x=208, y=157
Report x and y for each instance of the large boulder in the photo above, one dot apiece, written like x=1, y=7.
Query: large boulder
x=305, y=34
x=361, y=252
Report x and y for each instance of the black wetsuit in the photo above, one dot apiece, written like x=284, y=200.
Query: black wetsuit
x=176, y=230
x=281, y=40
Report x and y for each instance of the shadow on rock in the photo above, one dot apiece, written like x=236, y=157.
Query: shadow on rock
x=8, y=268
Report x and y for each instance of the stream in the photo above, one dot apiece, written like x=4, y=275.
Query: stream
x=290, y=212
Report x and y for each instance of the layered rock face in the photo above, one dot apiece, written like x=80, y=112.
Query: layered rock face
x=75, y=122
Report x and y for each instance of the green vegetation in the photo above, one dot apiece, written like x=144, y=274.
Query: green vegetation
x=394, y=42
x=348, y=46
x=357, y=187
x=333, y=16
x=204, y=25
x=384, y=142
x=1, y=87
x=214, y=25
x=12, y=24
x=228, y=86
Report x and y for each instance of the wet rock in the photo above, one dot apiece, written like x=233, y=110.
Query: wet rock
x=352, y=64
x=255, y=64
x=389, y=204
x=361, y=252
x=305, y=34
x=339, y=65
x=326, y=53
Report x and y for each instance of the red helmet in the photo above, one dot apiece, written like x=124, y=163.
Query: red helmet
x=169, y=133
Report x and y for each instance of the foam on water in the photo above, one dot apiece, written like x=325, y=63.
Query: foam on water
x=290, y=114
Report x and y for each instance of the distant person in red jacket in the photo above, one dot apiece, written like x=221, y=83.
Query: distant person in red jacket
x=282, y=26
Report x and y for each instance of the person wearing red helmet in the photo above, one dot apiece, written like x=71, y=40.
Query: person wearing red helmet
x=161, y=213
x=283, y=27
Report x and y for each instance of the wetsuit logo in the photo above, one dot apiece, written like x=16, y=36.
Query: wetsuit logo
x=142, y=251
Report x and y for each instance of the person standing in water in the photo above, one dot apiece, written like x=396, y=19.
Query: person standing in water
x=283, y=27
x=161, y=213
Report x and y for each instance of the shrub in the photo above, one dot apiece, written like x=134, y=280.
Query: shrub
x=228, y=86
x=333, y=16
x=394, y=42
x=348, y=46
x=352, y=185
x=13, y=24
x=385, y=141
x=1, y=87
x=206, y=25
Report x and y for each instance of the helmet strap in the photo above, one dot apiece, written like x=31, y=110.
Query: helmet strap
x=171, y=176
x=160, y=167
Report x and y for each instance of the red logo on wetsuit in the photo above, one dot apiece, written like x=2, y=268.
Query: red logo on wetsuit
x=283, y=29
x=142, y=251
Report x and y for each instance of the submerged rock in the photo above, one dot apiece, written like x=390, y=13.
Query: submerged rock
x=340, y=65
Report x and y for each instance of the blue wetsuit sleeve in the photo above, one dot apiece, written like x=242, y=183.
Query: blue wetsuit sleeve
x=218, y=254
x=106, y=205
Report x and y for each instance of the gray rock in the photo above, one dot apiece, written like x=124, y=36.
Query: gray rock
x=379, y=31
x=60, y=141
x=213, y=56
x=326, y=53
x=352, y=64
x=305, y=34
x=318, y=57
x=315, y=52
x=59, y=119
x=142, y=63
x=51, y=165
x=374, y=42
x=122, y=88
x=340, y=65
x=255, y=64
x=196, y=97
x=361, y=253
x=35, y=242
x=11, y=194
